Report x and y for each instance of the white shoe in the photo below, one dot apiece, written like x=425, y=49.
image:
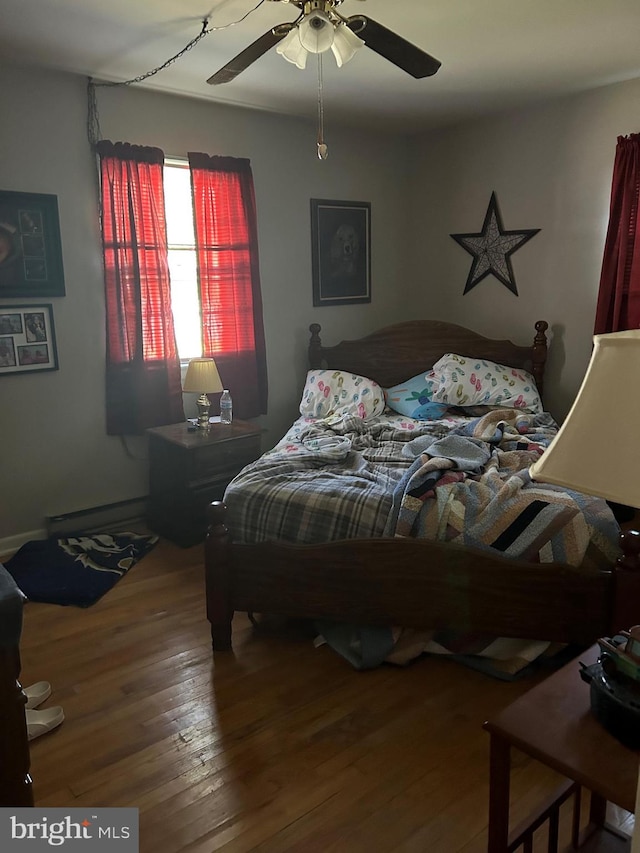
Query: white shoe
x=37, y=693
x=41, y=722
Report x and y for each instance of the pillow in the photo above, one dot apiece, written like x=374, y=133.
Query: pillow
x=333, y=392
x=413, y=398
x=465, y=381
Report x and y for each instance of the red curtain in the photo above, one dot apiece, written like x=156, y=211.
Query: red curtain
x=229, y=277
x=619, y=295
x=143, y=368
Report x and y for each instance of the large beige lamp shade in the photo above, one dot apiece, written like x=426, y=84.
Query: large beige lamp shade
x=597, y=449
x=202, y=378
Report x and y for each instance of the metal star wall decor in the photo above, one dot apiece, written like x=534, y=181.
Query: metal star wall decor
x=492, y=249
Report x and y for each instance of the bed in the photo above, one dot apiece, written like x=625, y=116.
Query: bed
x=341, y=575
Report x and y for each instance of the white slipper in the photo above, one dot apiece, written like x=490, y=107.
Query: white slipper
x=37, y=693
x=41, y=722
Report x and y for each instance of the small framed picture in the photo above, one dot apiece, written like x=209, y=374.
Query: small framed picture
x=30, y=246
x=27, y=339
x=341, y=251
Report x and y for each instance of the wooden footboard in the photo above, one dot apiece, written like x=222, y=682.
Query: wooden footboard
x=419, y=584
x=625, y=588
x=219, y=578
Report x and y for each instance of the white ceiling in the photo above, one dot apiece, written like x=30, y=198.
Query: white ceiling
x=495, y=54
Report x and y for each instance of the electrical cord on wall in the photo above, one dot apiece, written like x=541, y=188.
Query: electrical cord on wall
x=129, y=453
x=93, y=119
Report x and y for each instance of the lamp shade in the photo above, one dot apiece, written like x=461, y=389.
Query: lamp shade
x=345, y=44
x=202, y=377
x=316, y=32
x=291, y=49
x=596, y=449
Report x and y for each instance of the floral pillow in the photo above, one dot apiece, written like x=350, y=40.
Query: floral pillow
x=334, y=392
x=414, y=398
x=465, y=381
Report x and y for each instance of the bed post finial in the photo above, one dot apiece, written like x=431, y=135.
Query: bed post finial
x=217, y=563
x=315, y=347
x=539, y=354
x=630, y=557
x=626, y=578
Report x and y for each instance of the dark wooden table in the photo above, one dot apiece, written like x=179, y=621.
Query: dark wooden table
x=553, y=723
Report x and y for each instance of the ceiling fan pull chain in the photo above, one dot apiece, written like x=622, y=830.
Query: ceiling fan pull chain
x=323, y=150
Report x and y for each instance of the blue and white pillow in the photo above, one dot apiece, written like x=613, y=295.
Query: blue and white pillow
x=414, y=399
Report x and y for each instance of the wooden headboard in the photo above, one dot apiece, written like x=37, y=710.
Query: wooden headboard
x=399, y=352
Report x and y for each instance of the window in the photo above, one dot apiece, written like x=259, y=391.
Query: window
x=168, y=255
x=181, y=245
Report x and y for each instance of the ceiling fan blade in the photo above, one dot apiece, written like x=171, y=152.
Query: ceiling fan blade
x=393, y=47
x=250, y=54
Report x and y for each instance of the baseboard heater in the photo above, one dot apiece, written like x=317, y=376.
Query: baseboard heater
x=113, y=517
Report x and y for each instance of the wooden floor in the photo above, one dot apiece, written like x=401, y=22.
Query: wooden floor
x=278, y=747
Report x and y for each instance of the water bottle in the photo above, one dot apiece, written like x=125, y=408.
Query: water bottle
x=226, y=408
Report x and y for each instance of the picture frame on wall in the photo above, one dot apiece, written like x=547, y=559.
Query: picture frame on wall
x=30, y=246
x=27, y=339
x=340, y=251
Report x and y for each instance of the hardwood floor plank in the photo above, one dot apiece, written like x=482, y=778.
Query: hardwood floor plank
x=276, y=747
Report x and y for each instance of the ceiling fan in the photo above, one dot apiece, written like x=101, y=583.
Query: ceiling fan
x=320, y=27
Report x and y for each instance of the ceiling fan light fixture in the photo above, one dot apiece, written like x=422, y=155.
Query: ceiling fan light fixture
x=291, y=49
x=345, y=44
x=317, y=32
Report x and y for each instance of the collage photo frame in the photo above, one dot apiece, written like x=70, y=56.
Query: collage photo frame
x=27, y=339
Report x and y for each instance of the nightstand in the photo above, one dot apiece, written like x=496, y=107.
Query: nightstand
x=188, y=470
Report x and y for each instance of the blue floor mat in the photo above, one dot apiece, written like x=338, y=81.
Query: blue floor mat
x=77, y=570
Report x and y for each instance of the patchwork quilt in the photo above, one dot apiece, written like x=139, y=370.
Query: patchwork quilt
x=473, y=487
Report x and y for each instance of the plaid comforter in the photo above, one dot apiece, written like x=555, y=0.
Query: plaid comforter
x=326, y=479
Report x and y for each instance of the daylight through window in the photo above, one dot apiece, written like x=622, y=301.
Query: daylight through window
x=181, y=243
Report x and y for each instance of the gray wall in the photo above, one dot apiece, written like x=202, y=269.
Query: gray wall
x=55, y=456
x=551, y=168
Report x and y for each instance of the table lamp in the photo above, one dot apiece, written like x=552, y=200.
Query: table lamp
x=596, y=450
x=202, y=378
